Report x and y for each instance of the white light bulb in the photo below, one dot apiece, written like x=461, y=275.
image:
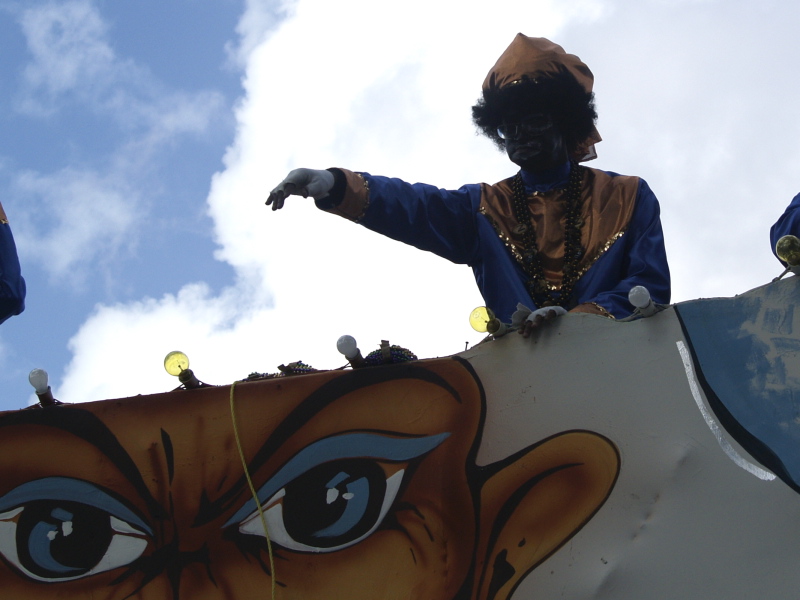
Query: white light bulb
x=347, y=346
x=38, y=379
x=639, y=296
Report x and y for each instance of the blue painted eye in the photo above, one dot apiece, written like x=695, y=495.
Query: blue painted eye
x=333, y=493
x=328, y=508
x=56, y=539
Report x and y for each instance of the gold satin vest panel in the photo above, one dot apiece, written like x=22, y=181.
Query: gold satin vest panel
x=607, y=205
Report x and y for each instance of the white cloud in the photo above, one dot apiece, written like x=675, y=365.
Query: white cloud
x=702, y=109
x=70, y=52
x=259, y=19
x=162, y=121
x=73, y=218
x=387, y=89
x=128, y=342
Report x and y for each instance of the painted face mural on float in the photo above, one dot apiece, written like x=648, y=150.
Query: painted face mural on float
x=598, y=460
x=368, y=481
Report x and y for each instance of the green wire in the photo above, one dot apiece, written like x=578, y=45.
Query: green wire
x=253, y=491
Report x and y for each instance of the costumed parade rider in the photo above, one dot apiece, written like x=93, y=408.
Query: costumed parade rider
x=12, y=285
x=555, y=237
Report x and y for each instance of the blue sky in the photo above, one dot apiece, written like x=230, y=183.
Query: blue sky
x=140, y=139
x=115, y=115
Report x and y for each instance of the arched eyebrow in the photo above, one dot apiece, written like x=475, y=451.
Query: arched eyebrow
x=89, y=428
x=348, y=445
x=328, y=393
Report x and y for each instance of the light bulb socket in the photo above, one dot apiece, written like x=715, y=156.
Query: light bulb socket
x=649, y=310
x=496, y=327
x=46, y=398
x=188, y=379
x=357, y=361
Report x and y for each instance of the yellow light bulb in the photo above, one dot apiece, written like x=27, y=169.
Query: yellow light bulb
x=480, y=317
x=788, y=250
x=175, y=362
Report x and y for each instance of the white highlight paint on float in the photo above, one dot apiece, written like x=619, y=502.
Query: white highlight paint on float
x=712, y=424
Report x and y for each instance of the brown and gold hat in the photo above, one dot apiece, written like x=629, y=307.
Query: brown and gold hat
x=533, y=58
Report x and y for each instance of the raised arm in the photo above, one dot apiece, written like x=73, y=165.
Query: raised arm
x=424, y=216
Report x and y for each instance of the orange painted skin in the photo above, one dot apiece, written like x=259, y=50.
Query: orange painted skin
x=449, y=529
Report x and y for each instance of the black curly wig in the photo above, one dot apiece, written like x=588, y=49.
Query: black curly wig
x=559, y=95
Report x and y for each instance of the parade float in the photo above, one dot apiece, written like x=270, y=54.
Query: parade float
x=655, y=457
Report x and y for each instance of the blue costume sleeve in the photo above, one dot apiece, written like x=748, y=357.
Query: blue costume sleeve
x=788, y=224
x=12, y=285
x=637, y=258
x=426, y=217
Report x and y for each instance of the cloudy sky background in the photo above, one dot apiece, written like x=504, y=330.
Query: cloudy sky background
x=139, y=140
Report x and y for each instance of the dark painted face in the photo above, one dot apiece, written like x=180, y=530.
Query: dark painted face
x=533, y=141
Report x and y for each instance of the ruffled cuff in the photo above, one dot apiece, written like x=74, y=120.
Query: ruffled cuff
x=349, y=197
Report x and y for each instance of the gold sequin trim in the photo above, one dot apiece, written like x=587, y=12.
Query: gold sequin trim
x=503, y=237
x=551, y=286
x=366, y=202
x=603, y=249
x=602, y=310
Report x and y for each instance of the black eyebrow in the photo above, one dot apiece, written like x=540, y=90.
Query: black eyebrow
x=313, y=404
x=88, y=427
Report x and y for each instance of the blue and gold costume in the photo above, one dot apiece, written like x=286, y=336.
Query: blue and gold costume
x=474, y=225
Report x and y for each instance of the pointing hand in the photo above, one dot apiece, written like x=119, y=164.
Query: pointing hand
x=301, y=182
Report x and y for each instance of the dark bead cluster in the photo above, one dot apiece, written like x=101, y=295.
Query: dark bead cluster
x=398, y=355
x=573, y=252
x=295, y=368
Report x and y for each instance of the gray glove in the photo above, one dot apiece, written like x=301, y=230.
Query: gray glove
x=301, y=182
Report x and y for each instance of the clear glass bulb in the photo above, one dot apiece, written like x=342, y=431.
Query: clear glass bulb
x=480, y=318
x=639, y=296
x=347, y=346
x=788, y=250
x=39, y=380
x=175, y=362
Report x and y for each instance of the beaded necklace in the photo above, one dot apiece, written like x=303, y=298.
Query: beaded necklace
x=531, y=260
